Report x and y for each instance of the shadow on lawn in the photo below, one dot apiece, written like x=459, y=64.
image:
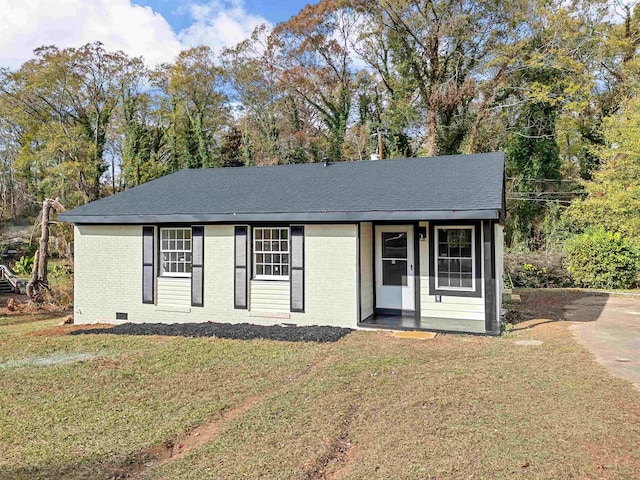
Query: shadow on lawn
x=555, y=305
x=241, y=331
x=91, y=466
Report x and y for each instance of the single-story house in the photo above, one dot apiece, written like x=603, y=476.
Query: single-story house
x=413, y=243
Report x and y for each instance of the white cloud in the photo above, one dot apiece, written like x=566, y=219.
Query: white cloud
x=219, y=24
x=119, y=25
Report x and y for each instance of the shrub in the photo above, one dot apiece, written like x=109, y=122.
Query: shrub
x=603, y=259
x=536, y=269
x=23, y=266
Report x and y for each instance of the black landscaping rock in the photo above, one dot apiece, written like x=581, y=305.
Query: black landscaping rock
x=240, y=331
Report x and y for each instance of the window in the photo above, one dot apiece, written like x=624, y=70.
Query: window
x=455, y=262
x=175, y=252
x=271, y=253
x=394, y=259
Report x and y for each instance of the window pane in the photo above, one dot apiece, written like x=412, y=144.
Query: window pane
x=259, y=269
x=284, y=246
x=258, y=233
x=285, y=270
x=394, y=244
x=276, y=259
x=275, y=234
x=394, y=272
x=465, y=250
x=466, y=281
x=442, y=250
x=285, y=258
x=466, y=266
x=276, y=269
x=454, y=265
x=267, y=270
x=259, y=258
x=266, y=234
x=267, y=258
x=454, y=280
x=284, y=234
x=454, y=251
x=443, y=279
x=443, y=266
x=187, y=234
x=267, y=246
x=259, y=246
x=275, y=246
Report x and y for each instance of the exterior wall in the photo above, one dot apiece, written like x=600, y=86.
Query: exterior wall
x=174, y=294
x=331, y=271
x=499, y=236
x=453, y=313
x=366, y=270
x=269, y=297
x=108, y=279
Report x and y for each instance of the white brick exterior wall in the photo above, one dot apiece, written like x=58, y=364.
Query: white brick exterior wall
x=108, y=278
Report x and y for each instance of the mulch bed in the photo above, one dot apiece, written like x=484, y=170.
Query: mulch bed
x=241, y=331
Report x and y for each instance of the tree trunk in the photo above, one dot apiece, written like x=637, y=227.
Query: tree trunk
x=432, y=131
x=39, y=281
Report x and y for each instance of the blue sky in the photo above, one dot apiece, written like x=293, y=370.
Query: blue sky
x=154, y=29
x=178, y=17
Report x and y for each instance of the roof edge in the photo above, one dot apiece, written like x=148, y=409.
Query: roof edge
x=391, y=215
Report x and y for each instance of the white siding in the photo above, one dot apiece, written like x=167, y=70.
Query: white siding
x=330, y=276
x=269, y=297
x=366, y=270
x=174, y=294
x=499, y=236
x=468, y=312
x=108, y=278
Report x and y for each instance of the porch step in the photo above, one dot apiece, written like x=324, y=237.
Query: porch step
x=6, y=287
x=414, y=335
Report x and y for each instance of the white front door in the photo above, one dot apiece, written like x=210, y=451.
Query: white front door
x=395, y=281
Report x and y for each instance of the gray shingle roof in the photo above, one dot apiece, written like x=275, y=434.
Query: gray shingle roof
x=458, y=186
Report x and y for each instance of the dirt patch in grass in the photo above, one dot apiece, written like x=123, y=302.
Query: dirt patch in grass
x=61, y=330
x=556, y=305
x=331, y=462
x=240, y=331
x=33, y=317
x=173, y=449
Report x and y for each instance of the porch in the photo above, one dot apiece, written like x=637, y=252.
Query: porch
x=411, y=322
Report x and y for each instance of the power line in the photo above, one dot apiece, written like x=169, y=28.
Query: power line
x=556, y=200
x=533, y=179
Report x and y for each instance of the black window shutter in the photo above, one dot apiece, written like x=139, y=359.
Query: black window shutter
x=240, y=271
x=297, y=269
x=148, y=257
x=197, y=266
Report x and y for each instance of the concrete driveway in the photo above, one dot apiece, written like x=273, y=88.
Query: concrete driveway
x=609, y=326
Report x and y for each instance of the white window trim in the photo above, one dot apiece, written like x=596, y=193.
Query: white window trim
x=278, y=278
x=436, y=245
x=161, y=266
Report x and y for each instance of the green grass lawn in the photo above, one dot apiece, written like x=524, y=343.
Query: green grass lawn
x=368, y=406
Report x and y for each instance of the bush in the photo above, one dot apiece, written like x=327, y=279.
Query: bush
x=24, y=266
x=602, y=259
x=541, y=269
